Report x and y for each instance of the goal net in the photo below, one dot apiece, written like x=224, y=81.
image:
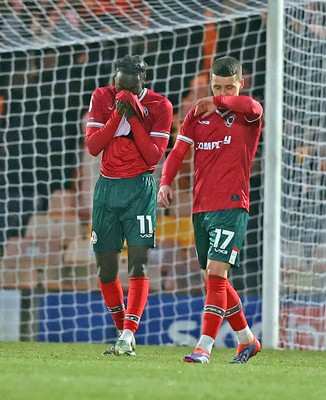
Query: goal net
x=53, y=55
x=303, y=224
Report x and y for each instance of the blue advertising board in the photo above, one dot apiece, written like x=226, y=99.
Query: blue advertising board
x=168, y=319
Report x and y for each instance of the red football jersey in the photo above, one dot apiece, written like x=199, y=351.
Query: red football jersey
x=121, y=157
x=225, y=144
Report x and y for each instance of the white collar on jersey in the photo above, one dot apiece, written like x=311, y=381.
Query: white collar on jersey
x=142, y=94
x=222, y=114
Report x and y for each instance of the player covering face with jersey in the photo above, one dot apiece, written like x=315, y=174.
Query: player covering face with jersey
x=130, y=125
x=224, y=130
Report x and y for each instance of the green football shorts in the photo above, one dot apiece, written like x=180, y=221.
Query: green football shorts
x=124, y=209
x=219, y=235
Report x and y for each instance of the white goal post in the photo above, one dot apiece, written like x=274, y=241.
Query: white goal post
x=52, y=56
x=272, y=181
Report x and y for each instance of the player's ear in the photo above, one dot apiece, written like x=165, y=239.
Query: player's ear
x=242, y=83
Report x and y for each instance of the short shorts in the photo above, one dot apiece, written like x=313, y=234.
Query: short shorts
x=219, y=235
x=124, y=209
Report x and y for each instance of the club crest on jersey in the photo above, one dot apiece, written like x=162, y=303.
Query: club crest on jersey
x=145, y=111
x=229, y=120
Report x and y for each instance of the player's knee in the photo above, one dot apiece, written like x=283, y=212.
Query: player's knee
x=217, y=268
x=107, y=267
x=138, y=269
x=138, y=261
x=107, y=276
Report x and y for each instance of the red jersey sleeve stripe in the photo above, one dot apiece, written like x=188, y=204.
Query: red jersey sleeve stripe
x=96, y=124
x=160, y=134
x=185, y=139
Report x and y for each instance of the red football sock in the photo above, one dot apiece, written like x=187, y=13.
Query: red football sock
x=215, y=305
x=234, y=311
x=112, y=294
x=137, y=298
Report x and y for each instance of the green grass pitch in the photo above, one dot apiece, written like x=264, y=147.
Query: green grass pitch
x=48, y=371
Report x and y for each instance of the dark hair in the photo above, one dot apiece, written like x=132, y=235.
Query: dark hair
x=132, y=65
x=227, y=66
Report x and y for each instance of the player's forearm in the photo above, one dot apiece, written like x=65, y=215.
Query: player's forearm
x=242, y=104
x=173, y=162
x=151, y=152
x=97, y=139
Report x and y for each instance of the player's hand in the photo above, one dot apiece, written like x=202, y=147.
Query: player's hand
x=124, y=108
x=129, y=111
x=165, y=195
x=120, y=106
x=206, y=106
